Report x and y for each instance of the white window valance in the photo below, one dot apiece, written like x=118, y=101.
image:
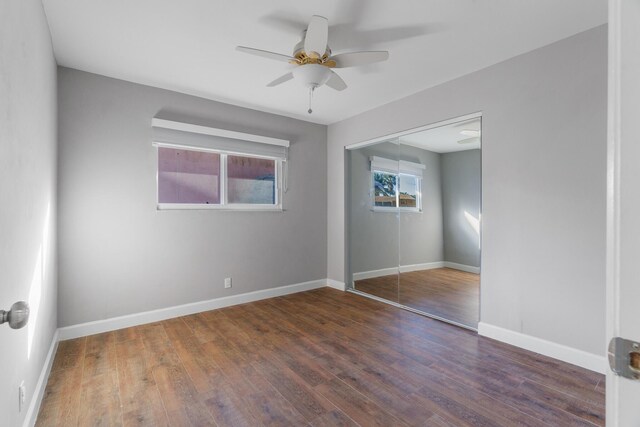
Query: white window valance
x=394, y=166
x=167, y=133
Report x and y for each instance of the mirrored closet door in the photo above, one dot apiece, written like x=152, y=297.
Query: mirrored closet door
x=422, y=207
x=372, y=201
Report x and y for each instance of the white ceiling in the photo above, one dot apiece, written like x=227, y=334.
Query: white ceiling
x=444, y=139
x=189, y=45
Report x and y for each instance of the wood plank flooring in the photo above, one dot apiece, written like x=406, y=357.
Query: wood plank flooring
x=444, y=292
x=318, y=358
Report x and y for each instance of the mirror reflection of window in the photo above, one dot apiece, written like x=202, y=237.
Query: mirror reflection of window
x=414, y=209
x=408, y=191
x=385, y=187
x=396, y=190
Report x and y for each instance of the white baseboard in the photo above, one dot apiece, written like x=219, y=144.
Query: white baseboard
x=375, y=273
x=114, y=323
x=394, y=270
x=561, y=352
x=34, y=407
x=336, y=284
x=419, y=267
x=462, y=267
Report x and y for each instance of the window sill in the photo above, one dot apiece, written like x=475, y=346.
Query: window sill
x=227, y=208
x=396, y=210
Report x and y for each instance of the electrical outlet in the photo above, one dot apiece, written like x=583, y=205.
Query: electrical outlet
x=227, y=282
x=21, y=396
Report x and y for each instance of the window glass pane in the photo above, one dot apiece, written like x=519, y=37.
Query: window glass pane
x=251, y=180
x=384, y=186
x=408, y=191
x=186, y=176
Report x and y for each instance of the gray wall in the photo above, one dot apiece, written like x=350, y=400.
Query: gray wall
x=118, y=255
x=421, y=233
x=374, y=235
x=461, y=196
x=543, y=181
x=27, y=197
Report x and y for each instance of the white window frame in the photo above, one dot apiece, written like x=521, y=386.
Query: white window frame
x=224, y=204
x=397, y=208
x=396, y=168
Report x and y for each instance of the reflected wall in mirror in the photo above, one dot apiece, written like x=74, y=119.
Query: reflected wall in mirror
x=440, y=259
x=373, y=186
x=421, y=205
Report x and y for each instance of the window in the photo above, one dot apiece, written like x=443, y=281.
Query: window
x=409, y=191
x=201, y=179
x=396, y=185
x=186, y=176
x=385, y=189
x=251, y=180
x=207, y=168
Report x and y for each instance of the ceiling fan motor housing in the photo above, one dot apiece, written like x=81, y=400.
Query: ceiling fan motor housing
x=298, y=49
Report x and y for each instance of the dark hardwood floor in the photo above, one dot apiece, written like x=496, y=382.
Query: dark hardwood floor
x=319, y=358
x=444, y=292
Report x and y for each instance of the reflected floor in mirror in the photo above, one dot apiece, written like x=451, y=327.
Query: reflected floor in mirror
x=444, y=292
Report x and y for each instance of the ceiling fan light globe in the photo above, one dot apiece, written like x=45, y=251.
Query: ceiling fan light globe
x=312, y=75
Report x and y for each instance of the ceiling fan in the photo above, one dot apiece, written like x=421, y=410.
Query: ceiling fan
x=313, y=60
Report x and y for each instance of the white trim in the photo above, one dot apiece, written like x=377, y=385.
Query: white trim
x=394, y=270
x=336, y=285
x=414, y=267
x=462, y=267
x=419, y=267
x=561, y=352
x=215, y=150
x=613, y=412
x=384, y=164
x=390, y=209
x=114, y=323
x=222, y=180
x=375, y=273
x=36, y=399
x=277, y=182
x=395, y=167
x=234, y=207
x=411, y=168
x=205, y=130
x=413, y=130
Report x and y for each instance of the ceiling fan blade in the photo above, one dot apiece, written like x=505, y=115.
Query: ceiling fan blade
x=265, y=54
x=281, y=80
x=353, y=59
x=350, y=36
x=315, y=42
x=336, y=82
